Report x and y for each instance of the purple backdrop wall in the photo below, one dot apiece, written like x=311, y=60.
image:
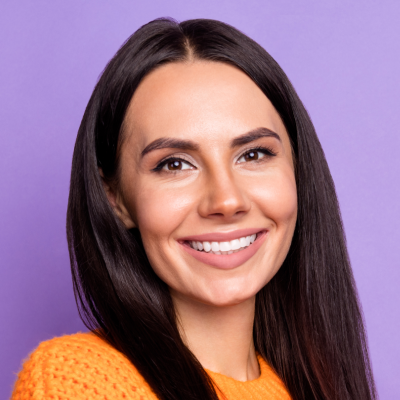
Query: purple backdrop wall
x=342, y=57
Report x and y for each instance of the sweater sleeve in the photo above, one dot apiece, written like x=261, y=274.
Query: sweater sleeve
x=29, y=384
x=80, y=366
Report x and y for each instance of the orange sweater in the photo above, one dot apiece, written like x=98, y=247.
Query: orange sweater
x=83, y=366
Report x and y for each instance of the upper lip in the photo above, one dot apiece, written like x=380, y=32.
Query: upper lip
x=222, y=236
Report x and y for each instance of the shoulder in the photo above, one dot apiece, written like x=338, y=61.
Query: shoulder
x=79, y=366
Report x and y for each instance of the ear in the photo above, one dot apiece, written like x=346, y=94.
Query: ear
x=116, y=203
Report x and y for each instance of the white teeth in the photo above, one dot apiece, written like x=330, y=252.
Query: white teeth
x=214, y=246
x=235, y=244
x=224, y=247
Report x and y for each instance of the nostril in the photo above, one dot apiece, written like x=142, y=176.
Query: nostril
x=217, y=214
x=240, y=212
x=222, y=215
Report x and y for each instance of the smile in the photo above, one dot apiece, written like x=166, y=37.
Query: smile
x=220, y=248
x=224, y=250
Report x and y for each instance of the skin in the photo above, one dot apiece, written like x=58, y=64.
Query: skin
x=215, y=189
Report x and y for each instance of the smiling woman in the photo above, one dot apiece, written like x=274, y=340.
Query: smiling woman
x=207, y=250
x=216, y=167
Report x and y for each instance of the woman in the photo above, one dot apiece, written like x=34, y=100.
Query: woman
x=207, y=249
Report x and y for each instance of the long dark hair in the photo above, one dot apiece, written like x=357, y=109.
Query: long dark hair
x=308, y=323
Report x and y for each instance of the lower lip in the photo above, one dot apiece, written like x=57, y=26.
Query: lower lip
x=227, y=261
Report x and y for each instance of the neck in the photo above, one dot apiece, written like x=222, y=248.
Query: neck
x=221, y=338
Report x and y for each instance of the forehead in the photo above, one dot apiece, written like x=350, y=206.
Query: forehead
x=201, y=101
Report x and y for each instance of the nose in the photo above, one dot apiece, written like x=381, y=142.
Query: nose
x=224, y=197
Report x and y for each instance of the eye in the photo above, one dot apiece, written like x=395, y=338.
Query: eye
x=251, y=156
x=255, y=155
x=174, y=164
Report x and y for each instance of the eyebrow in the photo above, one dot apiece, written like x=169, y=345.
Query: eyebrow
x=171, y=143
x=254, y=134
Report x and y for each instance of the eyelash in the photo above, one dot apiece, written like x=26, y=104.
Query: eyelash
x=267, y=151
x=162, y=163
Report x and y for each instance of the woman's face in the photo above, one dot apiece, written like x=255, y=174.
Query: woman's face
x=206, y=162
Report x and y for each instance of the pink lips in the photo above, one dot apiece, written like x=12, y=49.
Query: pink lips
x=224, y=261
x=222, y=236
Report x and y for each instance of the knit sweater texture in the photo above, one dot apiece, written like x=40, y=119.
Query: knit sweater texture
x=83, y=366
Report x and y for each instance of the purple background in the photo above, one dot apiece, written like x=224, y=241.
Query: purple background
x=343, y=58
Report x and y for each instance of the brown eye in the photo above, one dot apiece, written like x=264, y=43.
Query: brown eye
x=251, y=156
x=174, y=165
x=258, y=154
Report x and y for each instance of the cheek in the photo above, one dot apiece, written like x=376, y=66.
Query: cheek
x=276, y=198
x=160, y=210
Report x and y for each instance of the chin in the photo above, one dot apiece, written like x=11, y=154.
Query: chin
x=229, y=296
